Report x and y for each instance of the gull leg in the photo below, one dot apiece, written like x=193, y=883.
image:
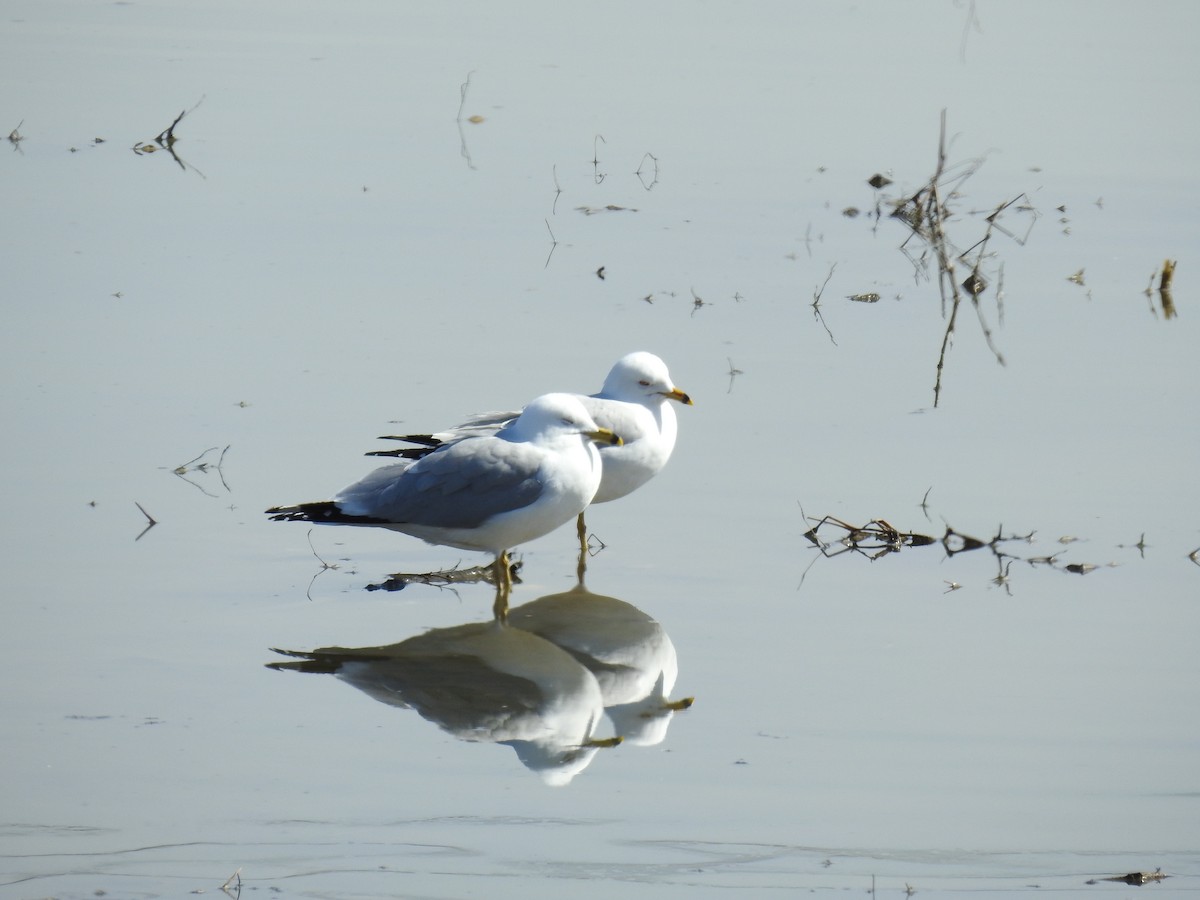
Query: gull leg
x=503, y=576
x=581, y=530
x=581, y=566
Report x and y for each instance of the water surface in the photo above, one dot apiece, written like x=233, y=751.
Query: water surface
x=335, y=247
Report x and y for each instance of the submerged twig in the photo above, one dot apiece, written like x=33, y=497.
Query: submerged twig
x=971, y=20
x=924, y=504
x=928, y=213
x=458, y=119
x=641, y=165
x=166, y=139
x=733, y=373
x=195, y=465
x=553, y=243
x=816, y=304
x=325, y=566
x=879, y=538
x=233, y=884
x=1135, y=878
x=597, y=175
x=150, y=520
x=1164, y=289
x=447, y=578
x=557, y=191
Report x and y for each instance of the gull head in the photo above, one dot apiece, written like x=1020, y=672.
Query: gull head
x=642, y=377
x=553, y=416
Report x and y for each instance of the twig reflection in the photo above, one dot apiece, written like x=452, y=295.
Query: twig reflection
x=165, y=140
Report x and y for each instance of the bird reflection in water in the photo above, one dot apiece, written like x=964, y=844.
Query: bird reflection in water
x=538, y=680
x=628, y=652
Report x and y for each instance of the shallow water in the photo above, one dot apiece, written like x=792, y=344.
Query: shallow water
x=335, y=248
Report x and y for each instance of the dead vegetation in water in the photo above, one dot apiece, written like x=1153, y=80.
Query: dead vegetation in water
x=1166, y=299
x=447, y=578
x=1136, y=878
x=200, y=465
x=879, y=538
x=963, y=276
x=458, y=119
x=961, y=249
x=150, y=520
x=965, y=264
x=166, y=140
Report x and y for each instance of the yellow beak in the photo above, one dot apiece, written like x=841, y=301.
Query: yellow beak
x=605, y=436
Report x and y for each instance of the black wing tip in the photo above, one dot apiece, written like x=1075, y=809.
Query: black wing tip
x=425, y=440
x=301, y=512
x=311, y=666
x=302, y=662
x=404, y=452
x=325, y=512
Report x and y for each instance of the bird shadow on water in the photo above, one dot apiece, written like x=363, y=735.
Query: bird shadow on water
x=539, y=677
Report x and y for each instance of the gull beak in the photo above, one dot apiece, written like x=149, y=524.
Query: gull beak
x=677, y=394
x=603, y=742
x=604, y=436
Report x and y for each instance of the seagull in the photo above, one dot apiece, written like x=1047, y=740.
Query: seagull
x=485, y=492
x=630, y=654
x=483, y=682
x=634, y=403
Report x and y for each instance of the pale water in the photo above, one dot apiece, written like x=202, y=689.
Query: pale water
x=338, y=246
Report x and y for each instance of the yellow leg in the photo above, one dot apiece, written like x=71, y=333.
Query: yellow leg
x=581, y=530
x=581, y=566
x=503, y=575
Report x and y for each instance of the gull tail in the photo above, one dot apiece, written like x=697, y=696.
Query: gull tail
x=412, y=453
x=426, y=444
x=425, y=440
x=323, y=512
x=328, y=661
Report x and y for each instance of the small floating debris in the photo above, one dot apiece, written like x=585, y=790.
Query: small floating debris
x=1168, y=273
x=974, y=285
x=874, y=539
x=612, y=207
x=1134, y=878
x=445, y=578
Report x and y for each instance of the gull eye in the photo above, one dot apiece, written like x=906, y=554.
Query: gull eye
x=644, y=383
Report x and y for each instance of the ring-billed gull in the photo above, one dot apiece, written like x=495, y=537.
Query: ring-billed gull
x=483, y=682
x=635, y=402
x=630, y=654
x=488, y=492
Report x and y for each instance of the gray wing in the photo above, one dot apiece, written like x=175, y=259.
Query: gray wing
x=479, y=425
x=458, y=485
